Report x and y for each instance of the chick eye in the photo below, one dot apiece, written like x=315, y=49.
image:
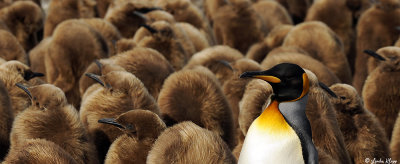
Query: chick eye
x=342, y=97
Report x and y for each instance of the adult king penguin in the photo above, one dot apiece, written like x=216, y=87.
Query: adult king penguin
x=282, y=133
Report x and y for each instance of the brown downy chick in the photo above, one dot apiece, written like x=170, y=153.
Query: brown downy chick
x=326, y=132
x=123, y=45
x=50, y=117
x=37, y=56
x=187, y=11
x=296, y=8
x=274, y=39
x=73, y=47
x=39, y=151
x=215, y=58
x=237, y=25
x=119, y=92
x=342, y=25
x=98, y=67
x=358, y=7
x=6, y=121
x=234, y=87
x=395, y=143
x=159, y=15
x=60, y=11
x=109, y=32
x=102, y=7
x=197, y=38
x=4, y=3
x=211, y=7
x=184, y=11
x=196, y=95
x=184, y=39
x=11, y=73
x=24, y=19
x=272, y=14
x=141, y=128
x=322, y=44
x=11, y=49
x=3, y=26
x=255, y=99
x=145, y=63
x=325, y=158
x=359, y=126
x=375, y=60
x=375, y=29
x=380, y=92
x=186, y=142
x=289, y=55
x=180, y=33
x=161, y=36
x=127, y=15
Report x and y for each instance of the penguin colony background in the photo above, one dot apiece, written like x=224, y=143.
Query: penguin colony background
x=199, y=81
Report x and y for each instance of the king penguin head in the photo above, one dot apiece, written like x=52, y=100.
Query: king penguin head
x=289, y=81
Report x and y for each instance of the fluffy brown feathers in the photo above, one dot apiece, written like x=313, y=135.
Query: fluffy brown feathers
x=196, y=95
x=359, y=126
x=188, y=143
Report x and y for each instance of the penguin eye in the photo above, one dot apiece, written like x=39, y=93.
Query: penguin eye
x=129, y=127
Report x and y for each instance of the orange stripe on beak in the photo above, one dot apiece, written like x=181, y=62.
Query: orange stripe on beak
x=271, y=79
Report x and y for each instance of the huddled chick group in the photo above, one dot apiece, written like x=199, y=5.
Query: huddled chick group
x=157, y=81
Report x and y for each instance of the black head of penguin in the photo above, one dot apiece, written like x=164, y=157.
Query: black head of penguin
x=289, y=81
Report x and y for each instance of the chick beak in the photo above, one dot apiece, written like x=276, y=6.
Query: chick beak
x=30, y=75
x=99, y=65
x=19, y=85
x=95, y=78
x=151, y=29
x=374, y=54
x=140, y=15
x=225, y=63
x=263, y=75
x=327, y=89
x=111, y=121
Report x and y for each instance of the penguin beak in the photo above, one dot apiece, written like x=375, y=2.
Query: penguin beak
x=111, y=121
x=96, y=78
x=151, y=29
x=19, y=85
x=30, y=75
x=263, y=75
x=374, y=54
x=327, y=89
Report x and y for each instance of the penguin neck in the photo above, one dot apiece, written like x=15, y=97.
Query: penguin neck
x=294, y=113
x=271, y=120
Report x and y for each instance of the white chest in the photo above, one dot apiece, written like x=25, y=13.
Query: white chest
x=262, y=147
